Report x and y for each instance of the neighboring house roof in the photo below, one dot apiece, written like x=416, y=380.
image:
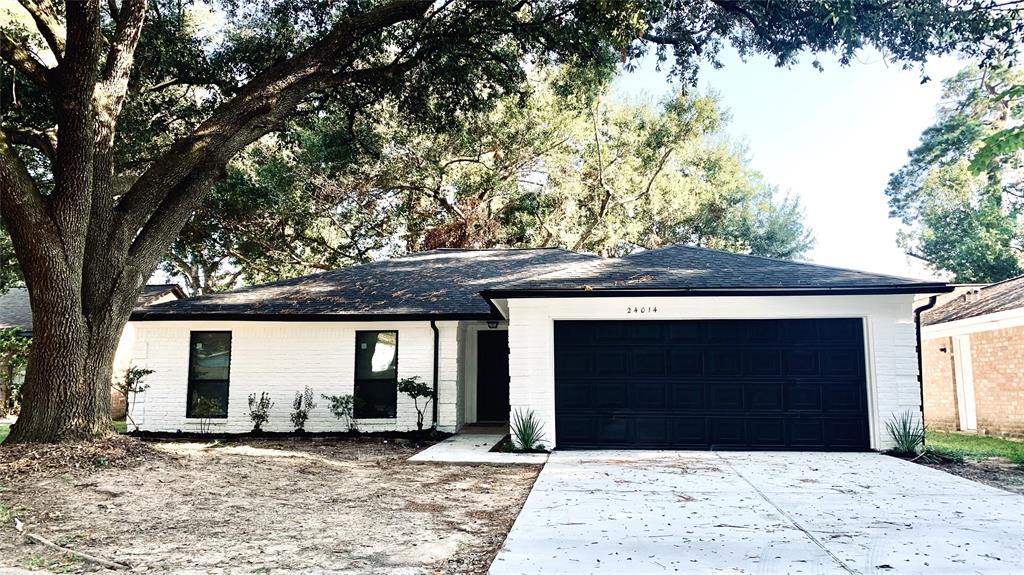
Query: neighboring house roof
x=450, y=283
x=1002, y=296
x=681, y=268
x=154, y=293
x=15, y=311
x=441, y=283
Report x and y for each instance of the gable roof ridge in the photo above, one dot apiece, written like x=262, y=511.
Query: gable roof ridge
x=781, y=261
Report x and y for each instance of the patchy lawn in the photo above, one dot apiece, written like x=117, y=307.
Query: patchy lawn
x=991, y=460
x=4, y=430
x=964, y=445
x=331, y=506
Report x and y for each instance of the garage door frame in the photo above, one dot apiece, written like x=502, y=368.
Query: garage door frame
x=869, y=409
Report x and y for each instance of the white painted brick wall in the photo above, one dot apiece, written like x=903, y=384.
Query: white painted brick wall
x=889, y=329
x=281, y=358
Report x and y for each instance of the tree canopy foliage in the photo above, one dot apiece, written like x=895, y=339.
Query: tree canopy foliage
x=959, y=220
x=118, y=118
x=587, y=172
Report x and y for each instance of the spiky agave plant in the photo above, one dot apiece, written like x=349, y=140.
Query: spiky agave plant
x=906, y=432
x=527, y=431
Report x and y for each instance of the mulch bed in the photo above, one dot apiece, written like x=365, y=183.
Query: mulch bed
x=996, y=472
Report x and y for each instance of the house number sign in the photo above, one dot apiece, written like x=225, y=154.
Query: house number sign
x=641, y=309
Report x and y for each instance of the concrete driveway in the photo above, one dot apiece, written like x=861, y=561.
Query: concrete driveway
x=638, y=512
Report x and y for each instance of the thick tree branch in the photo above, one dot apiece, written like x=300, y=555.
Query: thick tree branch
x=45, y=142
x=49, y=24
x=14, y=53
x=258, y=108
x=24, y=210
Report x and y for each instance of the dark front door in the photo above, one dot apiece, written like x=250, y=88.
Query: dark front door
x=492, y=376
x=794, y=384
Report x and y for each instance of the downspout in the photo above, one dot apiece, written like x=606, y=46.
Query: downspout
x=920, y=348
x=437, y=354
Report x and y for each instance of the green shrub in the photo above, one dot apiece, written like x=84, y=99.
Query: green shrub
x=414, y=388
x=527, y=431
x=301, y=406
x=907, y=433
x=342, y=407
x=259, y=410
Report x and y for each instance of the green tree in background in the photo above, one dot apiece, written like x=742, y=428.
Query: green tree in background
x=959, y=219
x=119, y=118
x=542, y=170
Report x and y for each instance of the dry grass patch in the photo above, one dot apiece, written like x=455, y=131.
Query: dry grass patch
x=332, y=506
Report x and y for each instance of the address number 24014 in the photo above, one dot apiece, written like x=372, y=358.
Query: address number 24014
x=641, y=309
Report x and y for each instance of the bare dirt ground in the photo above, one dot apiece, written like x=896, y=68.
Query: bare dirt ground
x=996, y=472
x=332, y=506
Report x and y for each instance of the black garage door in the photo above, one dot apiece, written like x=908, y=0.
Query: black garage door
x=715, y=384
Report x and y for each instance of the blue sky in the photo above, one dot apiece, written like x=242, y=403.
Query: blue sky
x=831, y=137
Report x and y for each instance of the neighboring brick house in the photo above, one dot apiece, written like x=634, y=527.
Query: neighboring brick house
x=973, y=359
x=15, y=312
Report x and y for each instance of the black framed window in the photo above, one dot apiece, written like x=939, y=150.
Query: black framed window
x=376, y=385
x=209, y=369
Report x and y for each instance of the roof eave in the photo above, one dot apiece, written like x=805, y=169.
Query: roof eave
x=308, y=317
x=716, y=292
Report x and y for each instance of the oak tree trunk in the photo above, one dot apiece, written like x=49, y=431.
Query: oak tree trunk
x=68, y=377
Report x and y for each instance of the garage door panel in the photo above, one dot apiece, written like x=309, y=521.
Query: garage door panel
x=743, y=384
x=686, y=396
x=845, y=433
x=728, y=432
x=767, y=432
x=801, y=362
x=841, y=397
x=806, y=432
x=611, y=362
x=613, y=395
x=841, y=362
x=648, y=362
x=574, y=362
x=804, y=397
x=763, y=362
x=613, y=430
x=723, y=362
x=685, y=363
x=765, y=396
x=643, y=395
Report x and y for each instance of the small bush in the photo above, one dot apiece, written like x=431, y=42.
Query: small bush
x=527, y=431
x=907, y=433
x=301, y=407
x=259, y=410
x=414, y=388
x=342, y=407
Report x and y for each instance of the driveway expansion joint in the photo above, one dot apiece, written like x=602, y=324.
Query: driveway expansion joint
x=788, y=517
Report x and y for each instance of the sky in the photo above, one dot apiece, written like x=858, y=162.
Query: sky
x=831, y=137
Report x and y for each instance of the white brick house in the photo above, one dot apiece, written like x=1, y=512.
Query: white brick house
x=673, y=348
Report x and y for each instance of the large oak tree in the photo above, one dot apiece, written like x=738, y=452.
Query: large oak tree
x=125, y=114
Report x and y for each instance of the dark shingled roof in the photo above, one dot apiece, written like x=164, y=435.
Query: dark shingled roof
x=1001, y=296
x=686, y=268
x=15, y=311
x=435, y=284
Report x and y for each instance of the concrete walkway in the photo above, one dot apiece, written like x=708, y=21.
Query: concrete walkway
x=629, y=512
x=473, y=445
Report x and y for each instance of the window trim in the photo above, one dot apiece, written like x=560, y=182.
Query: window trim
x=356, y=379
x=191, y=382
